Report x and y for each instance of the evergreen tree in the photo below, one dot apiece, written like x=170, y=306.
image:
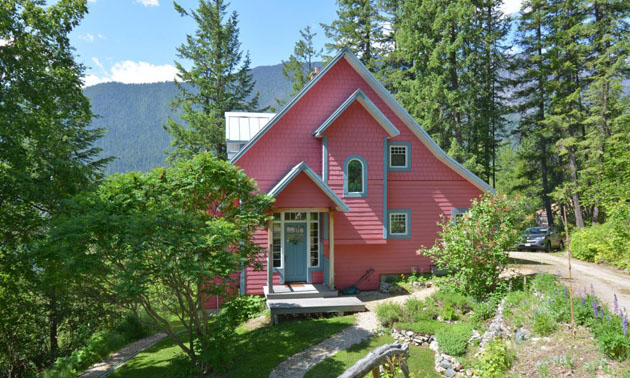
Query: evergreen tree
x=531, y=73
x=301, y=63
x=359, y=27
x=216, y=83
x=566, y=112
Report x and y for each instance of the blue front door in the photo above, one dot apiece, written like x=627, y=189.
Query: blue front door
x=294, y=252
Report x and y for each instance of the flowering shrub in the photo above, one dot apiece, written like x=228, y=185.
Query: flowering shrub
x=475, y=246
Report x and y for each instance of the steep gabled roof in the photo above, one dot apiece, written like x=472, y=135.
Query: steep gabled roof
x=303, y=167
x=359, y=96
x=390, y=102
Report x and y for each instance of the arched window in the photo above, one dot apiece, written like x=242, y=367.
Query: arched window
x=355, y=177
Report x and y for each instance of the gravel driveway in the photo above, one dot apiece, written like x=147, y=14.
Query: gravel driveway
x=606, y=280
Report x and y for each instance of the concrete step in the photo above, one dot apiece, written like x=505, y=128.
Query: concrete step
x=300, y=291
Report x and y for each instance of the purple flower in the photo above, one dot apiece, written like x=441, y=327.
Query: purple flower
x=566, y=293
x=592, y=290
x=524, y=302
x=595, y=308
x=548, y=301
x=625, y=324
x=607, y=319
x=558, y=274
x=583, y=301
x=615, y=303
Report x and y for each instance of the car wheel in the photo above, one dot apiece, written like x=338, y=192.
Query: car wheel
x=548, y=247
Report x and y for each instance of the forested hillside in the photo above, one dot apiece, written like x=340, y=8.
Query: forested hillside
x=133, y=115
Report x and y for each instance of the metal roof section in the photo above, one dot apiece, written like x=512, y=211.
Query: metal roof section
x=303, y=167
x=390, y=101
x=242, y=126
x=359, y=96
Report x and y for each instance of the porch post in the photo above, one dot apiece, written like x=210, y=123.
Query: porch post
x=270, y=256
x=331, y=248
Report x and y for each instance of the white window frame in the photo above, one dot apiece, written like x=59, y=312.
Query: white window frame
x=308, y=222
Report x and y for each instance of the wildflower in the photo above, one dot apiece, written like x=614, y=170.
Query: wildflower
x=625, y=324
x=524, y=302
x=615, y=303
x=558, y=274
x=583, y=301
x=595, y=308
x=607, y=319
x=592, y=290
x=566, y=293
x=548, y=301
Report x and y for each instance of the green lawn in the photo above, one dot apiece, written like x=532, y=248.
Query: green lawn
x=421, y=361
x=257, y=351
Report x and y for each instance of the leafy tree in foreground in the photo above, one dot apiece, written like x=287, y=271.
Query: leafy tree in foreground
x=46, y=155
x=475, y=245
x=166, y=241
x=219, y=81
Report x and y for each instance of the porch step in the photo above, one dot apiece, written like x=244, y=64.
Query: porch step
x=295, y=291
x=314, y=305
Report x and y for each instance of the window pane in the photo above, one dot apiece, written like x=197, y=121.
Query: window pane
x=314, y=216
x=397, y=156
x=314, y=252
x=355, y=176
x=276, y=216
x=277, y=245
x=398, y=223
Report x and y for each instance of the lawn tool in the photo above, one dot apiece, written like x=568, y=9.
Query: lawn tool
x=354, y=289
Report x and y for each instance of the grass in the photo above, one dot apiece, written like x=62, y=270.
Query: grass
x=421, y=361
x=257, y=351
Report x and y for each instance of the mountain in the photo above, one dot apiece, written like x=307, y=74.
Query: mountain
x=133, y=115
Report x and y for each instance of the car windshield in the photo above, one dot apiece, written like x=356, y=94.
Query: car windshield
x=536, y=230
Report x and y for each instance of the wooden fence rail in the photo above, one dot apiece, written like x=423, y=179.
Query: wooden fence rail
x=386, y=354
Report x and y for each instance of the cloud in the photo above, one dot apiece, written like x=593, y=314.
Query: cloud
x=511, y=6
x=130, y=72
x=149, y=3
x=87, y=37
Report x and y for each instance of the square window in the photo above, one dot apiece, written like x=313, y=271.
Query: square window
x=398, y=156
x=398, y=223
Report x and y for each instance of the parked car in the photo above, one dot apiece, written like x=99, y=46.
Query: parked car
x=540, y=239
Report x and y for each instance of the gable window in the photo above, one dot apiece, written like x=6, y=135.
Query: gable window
x=355, y=177
x=399, y=156
x=399, y=223
x=457, y=214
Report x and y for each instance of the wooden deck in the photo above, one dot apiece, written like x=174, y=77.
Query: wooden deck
x=308, y=299
x=300, y=291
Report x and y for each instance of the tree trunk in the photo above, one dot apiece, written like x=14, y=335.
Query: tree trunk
x=53, y=325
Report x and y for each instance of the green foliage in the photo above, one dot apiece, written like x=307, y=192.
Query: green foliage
x=608, y=242
x=244, y=307
x=448, y=313
x=389, y=313
x=495, y=361
x=544, y=323
x=453, y=339
x=301, y=63
x=216, y=83
x=483, y=310
x=165, y=241
x=424, y=327
x=475, y=245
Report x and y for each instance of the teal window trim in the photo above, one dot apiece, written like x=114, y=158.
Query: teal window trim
x=454, y=213
x=407, y=166
x=407, y=234
x=325, y=159
x=364, y=178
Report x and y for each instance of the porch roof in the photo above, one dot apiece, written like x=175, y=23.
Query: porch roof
x=304, y=168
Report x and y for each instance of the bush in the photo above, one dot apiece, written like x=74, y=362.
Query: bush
x=448, y=313
x=454, y=299
x=389, y=313
x=496, y=360
x=243, y=307
x=453, y=339
x=475, y=247
x=482, y=311
x=423, y=327
x=544, y=323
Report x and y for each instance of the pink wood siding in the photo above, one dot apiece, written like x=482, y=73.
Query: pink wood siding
x=356, y=132
x=302, y=192
x=431, y=188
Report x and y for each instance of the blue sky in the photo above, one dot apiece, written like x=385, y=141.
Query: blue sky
x=135, y=41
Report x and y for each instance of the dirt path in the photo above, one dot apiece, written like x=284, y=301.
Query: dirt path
x=606, y=281
x=118, y=358
x=365, y=326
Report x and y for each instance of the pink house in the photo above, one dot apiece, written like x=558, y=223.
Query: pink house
x=358, y=183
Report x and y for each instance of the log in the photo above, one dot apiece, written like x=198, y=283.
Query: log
x=379, y=356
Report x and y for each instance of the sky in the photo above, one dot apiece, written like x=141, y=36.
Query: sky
x=135, y=41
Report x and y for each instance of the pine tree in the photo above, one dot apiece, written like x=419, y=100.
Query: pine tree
x=301, y=63
x=609, y=33
x=531, y=69
x=359, y=27
x=566, y=109
x=216, y=83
